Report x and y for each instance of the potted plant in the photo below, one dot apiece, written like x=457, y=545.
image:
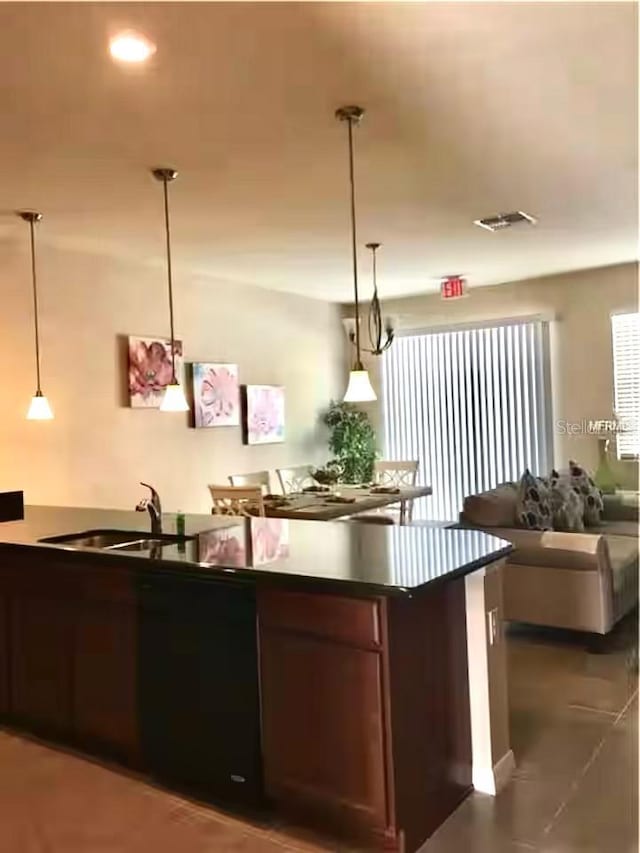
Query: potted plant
x=329, y=474
x=352, y=440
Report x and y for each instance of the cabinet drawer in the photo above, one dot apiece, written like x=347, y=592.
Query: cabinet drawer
x=346, y=620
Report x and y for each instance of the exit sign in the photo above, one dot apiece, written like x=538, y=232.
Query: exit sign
x=453, y=286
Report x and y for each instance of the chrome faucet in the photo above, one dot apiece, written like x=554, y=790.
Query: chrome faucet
x=152, y=505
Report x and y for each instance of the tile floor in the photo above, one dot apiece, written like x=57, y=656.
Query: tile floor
x=574, y=730
x=574, y=714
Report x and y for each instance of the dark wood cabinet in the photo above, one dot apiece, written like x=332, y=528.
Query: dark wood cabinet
x=70, y=653
x=324, y=728
x=40, y=636
x=153, y=669
x=325, y=723
x=104, y=666
x=366, y=721
x=348, y=712
x=4, y=647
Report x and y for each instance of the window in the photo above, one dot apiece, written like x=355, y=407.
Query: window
x=471, y=405
x=625, y=330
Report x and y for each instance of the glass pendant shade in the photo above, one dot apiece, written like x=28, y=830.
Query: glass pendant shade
x=174, y=400
x=39, y=408
x=359, y=389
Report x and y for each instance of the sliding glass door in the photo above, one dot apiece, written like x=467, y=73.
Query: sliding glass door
x=472, y=405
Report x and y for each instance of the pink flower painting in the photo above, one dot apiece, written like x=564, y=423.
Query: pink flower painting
x=264, y=414
x=150, y=370
x=224, y=547
x=251, y=543
x=216, y=395
x=269, y=540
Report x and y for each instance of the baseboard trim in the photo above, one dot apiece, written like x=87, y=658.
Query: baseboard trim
x=491, y=780
x=503, y=770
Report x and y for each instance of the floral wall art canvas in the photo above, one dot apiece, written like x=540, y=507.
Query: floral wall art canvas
x=216, y=395
x=264, y=414
x=251, y=542
x=269, y=540
x=150, y=370
x=227, y=546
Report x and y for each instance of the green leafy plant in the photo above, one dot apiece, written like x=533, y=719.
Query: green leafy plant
x=352, y=440
x=328, y=474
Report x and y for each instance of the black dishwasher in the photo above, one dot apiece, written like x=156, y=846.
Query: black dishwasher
x=198, y=686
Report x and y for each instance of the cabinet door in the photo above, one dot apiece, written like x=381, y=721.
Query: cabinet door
x=41, y=633
x=4, y=647
x=323, y=728
x=104, y=678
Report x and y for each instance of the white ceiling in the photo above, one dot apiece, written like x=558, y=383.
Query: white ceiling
x=472, y=109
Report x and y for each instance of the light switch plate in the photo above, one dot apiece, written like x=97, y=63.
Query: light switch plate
x=493, y=620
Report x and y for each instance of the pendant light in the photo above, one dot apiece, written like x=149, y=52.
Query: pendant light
x=376, y=324
x=39, y=408
x=359, y=389
x=173, y=399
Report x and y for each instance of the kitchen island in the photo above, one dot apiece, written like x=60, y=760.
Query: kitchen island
x=338, y=672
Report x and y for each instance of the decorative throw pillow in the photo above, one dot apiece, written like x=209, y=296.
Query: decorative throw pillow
x=582, y=483
x=567, y=506
x=533, y=508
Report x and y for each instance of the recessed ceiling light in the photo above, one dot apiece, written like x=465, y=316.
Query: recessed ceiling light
x=131, y=47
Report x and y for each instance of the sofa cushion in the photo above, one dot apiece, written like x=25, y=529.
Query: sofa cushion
x=617, y=528
x=554, y=549
x=623, y=558
x=533, y=505
x=493, y=508
x=622, y=506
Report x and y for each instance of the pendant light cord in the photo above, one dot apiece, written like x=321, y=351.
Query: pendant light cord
x=167, y=229
x=35, y=304
x=375, y=277
x=358, y=365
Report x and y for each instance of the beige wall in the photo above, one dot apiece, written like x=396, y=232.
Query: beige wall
x=97, y=449
x=581, y=356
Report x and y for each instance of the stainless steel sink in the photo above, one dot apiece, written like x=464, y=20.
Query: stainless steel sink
x=146, y=544
x=115, y=540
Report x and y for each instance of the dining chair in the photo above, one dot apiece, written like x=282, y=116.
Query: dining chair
x=237, y=500
x=397, y=473
x=256, y=478
x=295, y=479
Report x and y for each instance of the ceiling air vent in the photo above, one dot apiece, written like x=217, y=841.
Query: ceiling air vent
x=505, y=220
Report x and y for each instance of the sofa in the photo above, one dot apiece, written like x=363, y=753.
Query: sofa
x=582, y=581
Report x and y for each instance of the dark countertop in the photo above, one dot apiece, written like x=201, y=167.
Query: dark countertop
x=354, y=558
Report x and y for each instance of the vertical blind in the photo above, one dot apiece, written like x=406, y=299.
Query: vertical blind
x=625, y=329
x=471, y=406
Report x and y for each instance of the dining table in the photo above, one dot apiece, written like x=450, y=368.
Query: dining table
x=342, y=501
